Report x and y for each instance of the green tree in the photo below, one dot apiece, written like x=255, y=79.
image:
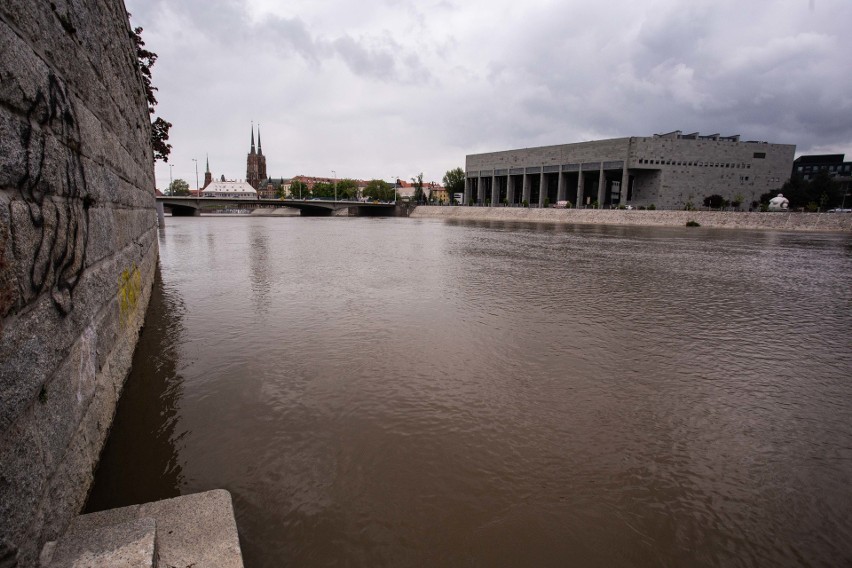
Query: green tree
x=820, y=192
x=347, y=189
x=379, y=189
x=738, y=200
x=825, y=191
x=299, y=190
x=179, y=187
x=418, y=188
x=323, y=190
x=454, y=181
x=714, y=201
x=159, y=128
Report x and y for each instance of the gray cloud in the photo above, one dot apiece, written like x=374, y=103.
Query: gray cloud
x=418, y=85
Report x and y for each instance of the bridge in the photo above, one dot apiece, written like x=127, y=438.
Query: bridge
x=191, y=206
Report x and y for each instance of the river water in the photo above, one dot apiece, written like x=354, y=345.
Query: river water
x=399, y=392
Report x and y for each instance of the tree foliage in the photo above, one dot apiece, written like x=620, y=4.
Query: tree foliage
x=819, y=193
x=178, y=187
x=419, y=196
x=380, y=190
x=323, y=190
x=454, y=181
x=145, y=59
x=347, y=189
x=715, y=201
x=299, y=190
x=159, y=135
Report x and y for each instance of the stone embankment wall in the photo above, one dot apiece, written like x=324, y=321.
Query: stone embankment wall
x=78, y=248
x=831, y=222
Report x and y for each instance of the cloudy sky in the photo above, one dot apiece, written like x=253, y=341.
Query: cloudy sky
x=391, y=88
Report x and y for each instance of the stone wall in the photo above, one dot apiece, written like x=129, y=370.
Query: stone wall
x=827, y=222
x=694, y=169
x=78, y=247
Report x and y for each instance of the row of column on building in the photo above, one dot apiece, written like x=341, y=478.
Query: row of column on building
x=534, y=185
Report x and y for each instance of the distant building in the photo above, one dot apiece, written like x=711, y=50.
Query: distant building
x=310, y=181
x=238, y=189
x=666, y=170
x=255, y=162
x=268, y=188
x=807, y=167
x=439, y=193
x=208, y=177
x=431, y=189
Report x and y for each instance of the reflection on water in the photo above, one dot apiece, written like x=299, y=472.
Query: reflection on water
x=140, y=461
x=392, y=392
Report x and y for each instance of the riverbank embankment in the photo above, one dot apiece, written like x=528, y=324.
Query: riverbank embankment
x=820, y=222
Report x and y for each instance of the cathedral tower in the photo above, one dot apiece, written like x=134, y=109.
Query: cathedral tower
x=208, y=177
x=255, y=162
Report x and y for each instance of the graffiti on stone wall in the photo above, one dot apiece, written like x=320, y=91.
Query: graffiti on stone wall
x=50, y=224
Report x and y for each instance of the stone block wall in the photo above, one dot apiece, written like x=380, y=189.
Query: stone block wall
x=78, y=247
x=808, y=222
x=686, y=170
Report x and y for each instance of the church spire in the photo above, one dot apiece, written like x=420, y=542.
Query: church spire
x=252, y=138
x=259, y=147
x=208, y=177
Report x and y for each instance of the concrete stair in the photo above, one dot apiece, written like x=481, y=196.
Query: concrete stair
x=192, y=530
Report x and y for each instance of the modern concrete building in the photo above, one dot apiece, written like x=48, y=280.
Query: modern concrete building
x=807, y=167
x=666, y=170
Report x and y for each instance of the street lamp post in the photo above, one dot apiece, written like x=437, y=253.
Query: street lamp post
x=196, y=174
x=334, y=173
x=171, y=180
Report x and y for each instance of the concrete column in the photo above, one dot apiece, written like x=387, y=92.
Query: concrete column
x=625, y=174
x=601, y=186
x=525, y=196
x=479, y=191
x=580, y=188
x=161, y=215
x=542, y=187
x=495, y=192
x=560, y=187
x=466, y=190
x=510, y=189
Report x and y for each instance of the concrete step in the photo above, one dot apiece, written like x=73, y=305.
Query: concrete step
x=191, y=530
x=131, y=544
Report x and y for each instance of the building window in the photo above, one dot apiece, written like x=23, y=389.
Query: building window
x=760, y=155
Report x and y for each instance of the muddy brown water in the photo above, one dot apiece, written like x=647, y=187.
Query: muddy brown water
x=394, y=392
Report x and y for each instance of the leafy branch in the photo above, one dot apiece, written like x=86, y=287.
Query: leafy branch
x=145, y=59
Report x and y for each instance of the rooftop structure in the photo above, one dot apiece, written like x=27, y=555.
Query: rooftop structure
x=240, y=189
